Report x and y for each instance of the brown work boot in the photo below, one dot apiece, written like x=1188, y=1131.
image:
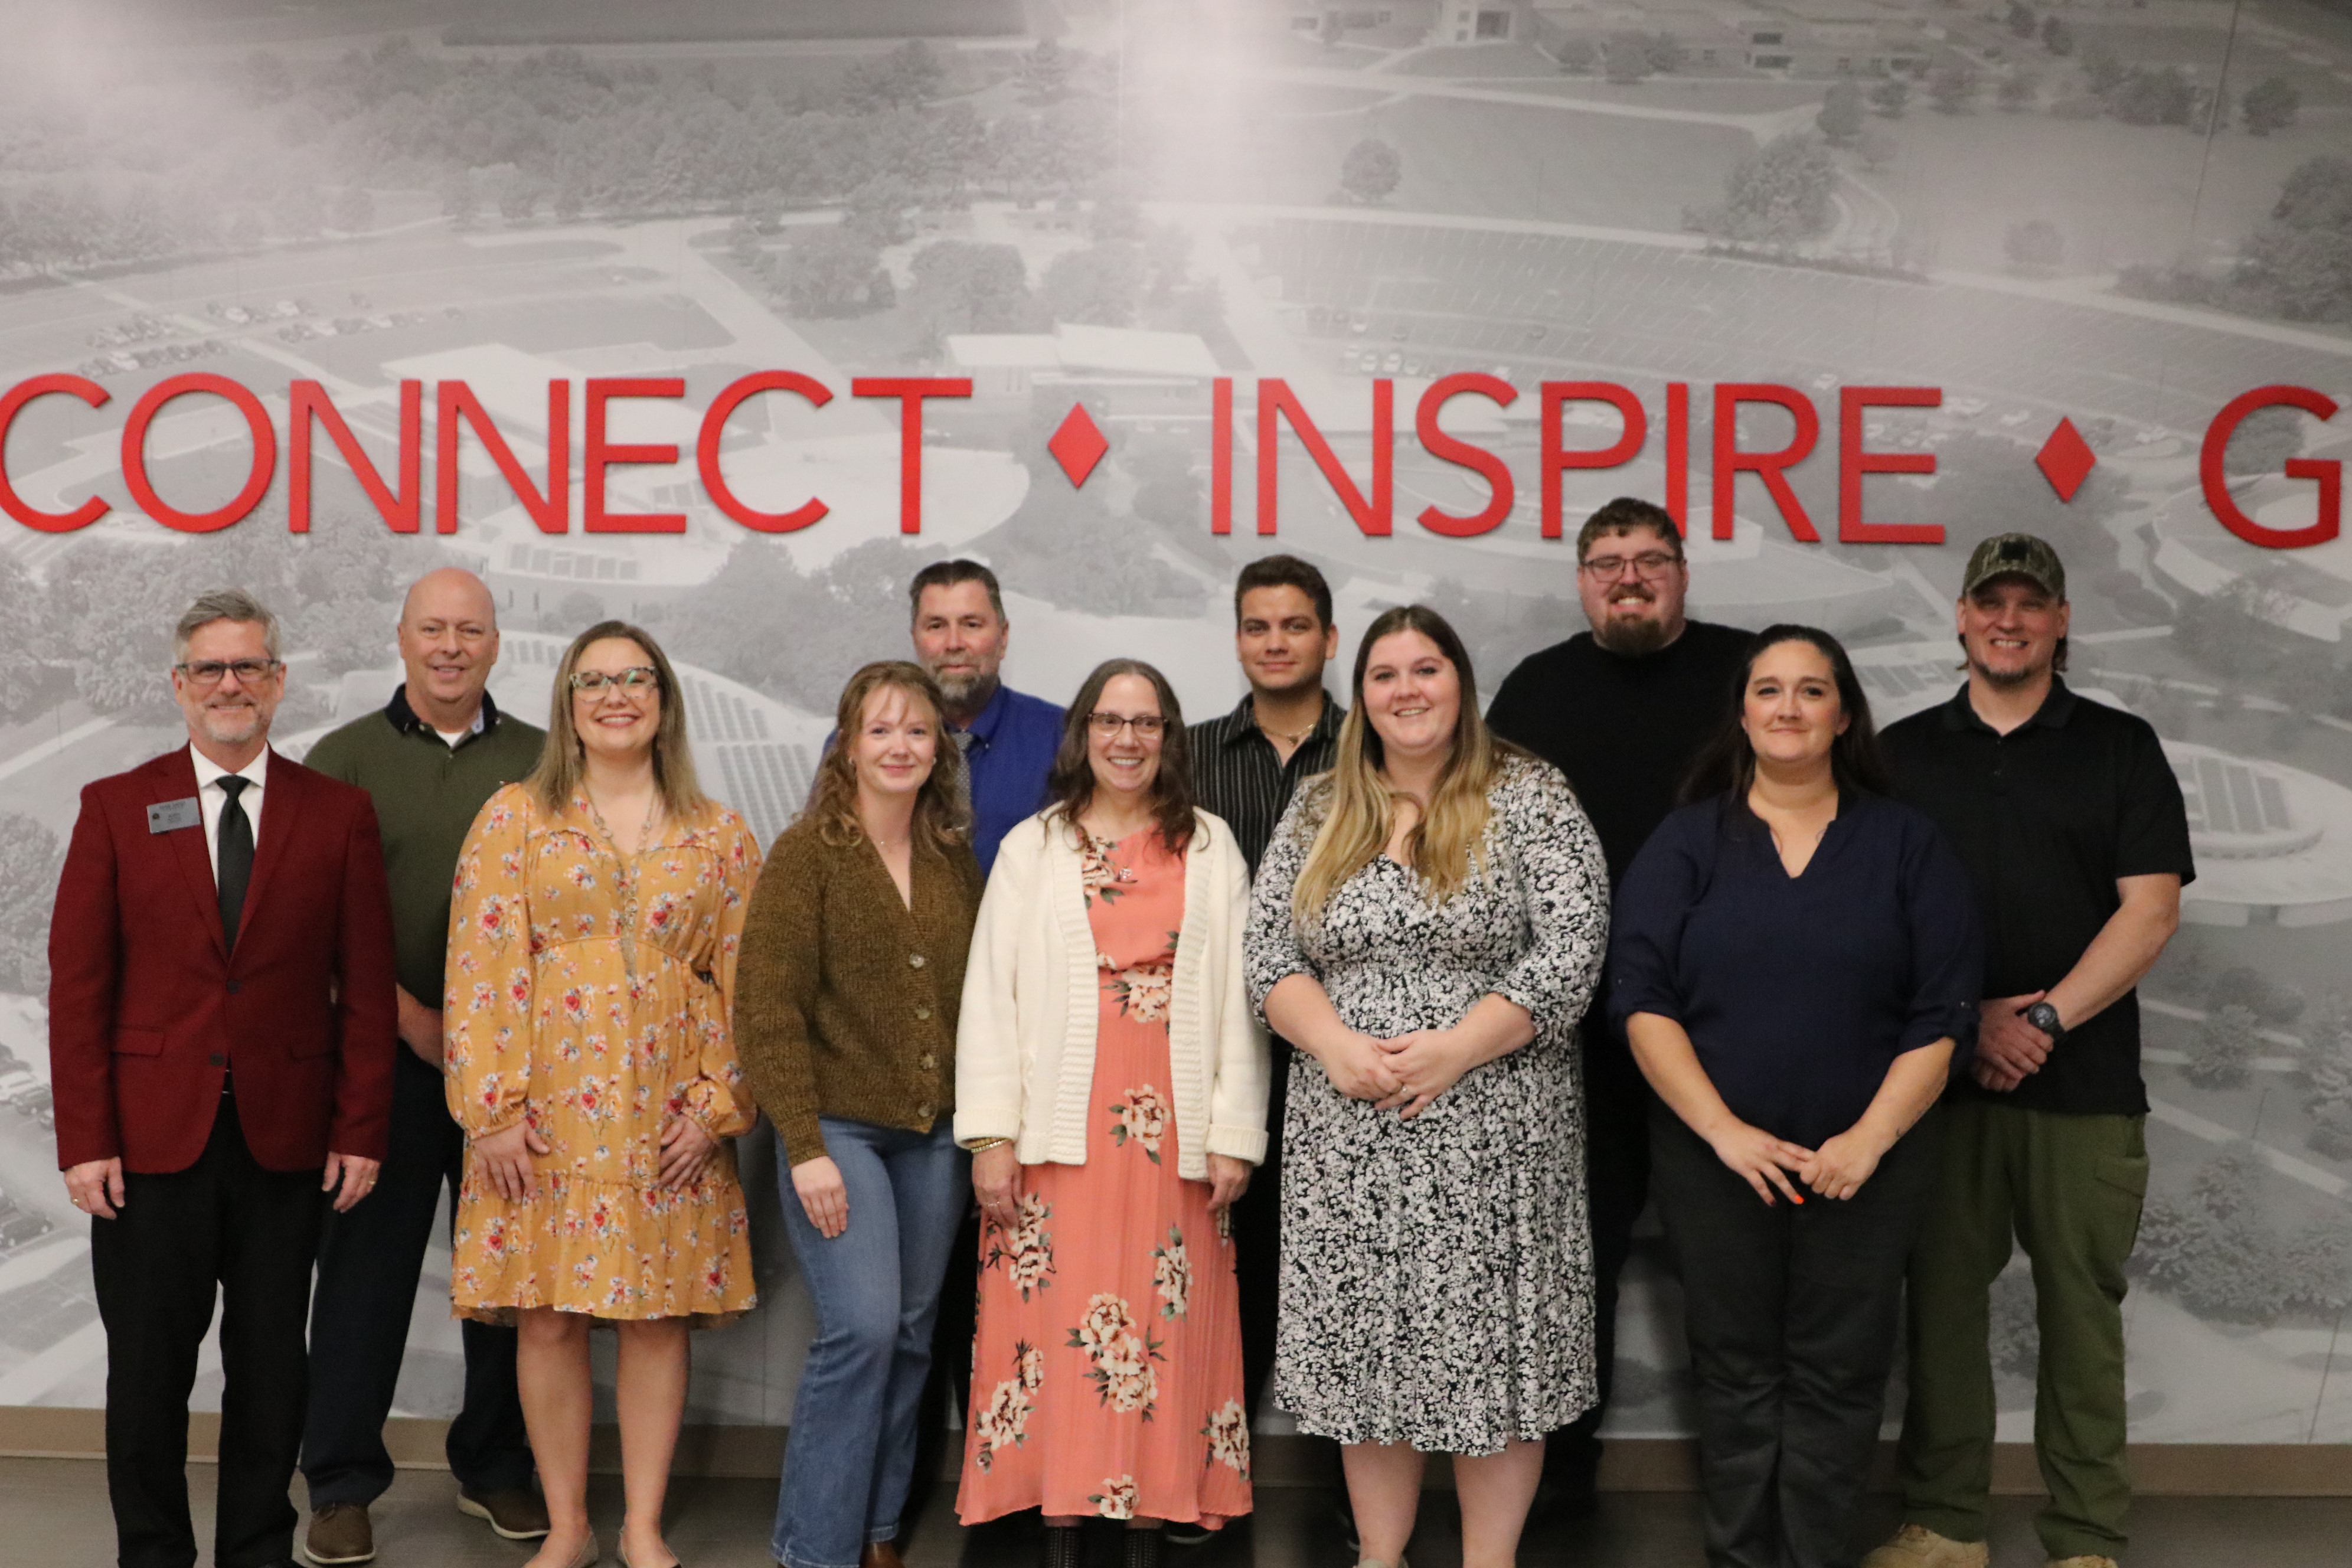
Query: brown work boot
x=340, y=1532
x=1916, y=1546
x=517, y=1513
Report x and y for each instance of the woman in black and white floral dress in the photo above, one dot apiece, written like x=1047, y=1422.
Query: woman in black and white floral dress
x=1426, y=928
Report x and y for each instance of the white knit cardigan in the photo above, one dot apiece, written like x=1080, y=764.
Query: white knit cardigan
x=1025, y=1037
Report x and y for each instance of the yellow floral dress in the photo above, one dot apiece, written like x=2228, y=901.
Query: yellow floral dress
x=589, y=994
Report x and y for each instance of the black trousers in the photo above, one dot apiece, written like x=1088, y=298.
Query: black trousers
x=1617, y=1104
x=369, y=1262
x=1791, y=1314
x=223, y=1222
x=1257, y=1243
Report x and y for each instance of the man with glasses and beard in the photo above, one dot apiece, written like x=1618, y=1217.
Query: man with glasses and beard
x=1623, y=711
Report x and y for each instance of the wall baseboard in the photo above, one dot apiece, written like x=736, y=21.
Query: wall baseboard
x=1628, y=1464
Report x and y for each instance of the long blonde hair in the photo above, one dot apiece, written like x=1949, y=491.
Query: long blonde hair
x=1355, y=808
x=557, y=778
x=940, y=818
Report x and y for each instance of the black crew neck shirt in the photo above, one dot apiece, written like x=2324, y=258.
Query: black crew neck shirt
x=1624, y=728
x=2046, y=818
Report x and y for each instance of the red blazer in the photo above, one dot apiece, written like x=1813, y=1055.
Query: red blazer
x=148, y=1006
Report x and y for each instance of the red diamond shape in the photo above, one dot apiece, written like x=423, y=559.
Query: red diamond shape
x=2065, y=460
x=1077, y=446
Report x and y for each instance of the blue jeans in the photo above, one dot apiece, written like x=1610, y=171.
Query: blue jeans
x=877, y=1290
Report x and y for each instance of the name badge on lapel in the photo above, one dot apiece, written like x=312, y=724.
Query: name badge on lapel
x=166, y=817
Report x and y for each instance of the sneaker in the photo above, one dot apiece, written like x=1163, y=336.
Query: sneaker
x=516, y=1513
x=1916, y=1546
x=340, y=1532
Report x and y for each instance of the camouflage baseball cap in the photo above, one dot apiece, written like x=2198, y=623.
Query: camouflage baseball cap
x=2015, y=555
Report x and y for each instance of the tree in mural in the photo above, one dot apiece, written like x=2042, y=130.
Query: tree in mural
x=1891, y=97
x=1372, y=171
x=2225, y=1047
x=1777, y=194
x=2057, y=37
x=1953, y=85
x=1839, y=119
x=30, y=859
x=2216, y=1249
x=2270, y=104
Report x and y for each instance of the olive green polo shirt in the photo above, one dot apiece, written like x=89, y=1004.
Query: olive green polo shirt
x=426, y=795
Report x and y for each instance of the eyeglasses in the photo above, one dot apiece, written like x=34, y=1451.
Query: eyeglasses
x=1147, y=725
x=207, y=672
x=1652, y=564
x=635, y=680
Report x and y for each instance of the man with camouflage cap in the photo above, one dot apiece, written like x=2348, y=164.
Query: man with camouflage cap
x=2072, y=825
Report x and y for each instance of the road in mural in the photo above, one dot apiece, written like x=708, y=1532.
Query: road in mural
x=2120, y=216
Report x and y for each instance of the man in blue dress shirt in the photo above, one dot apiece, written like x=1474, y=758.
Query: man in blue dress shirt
x=1008, y=739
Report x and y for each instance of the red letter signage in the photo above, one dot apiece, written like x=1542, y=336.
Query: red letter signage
x=601, y=455
x=1730, y=461
x=2213, y=469
x=714, y=427
x=910, y=390
x=134, y=452
x=12, y=503
x=1854, y=462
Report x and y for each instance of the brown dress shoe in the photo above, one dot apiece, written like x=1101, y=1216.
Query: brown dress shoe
x=518, y=1513
x=340, y=1532
x=881, y=1555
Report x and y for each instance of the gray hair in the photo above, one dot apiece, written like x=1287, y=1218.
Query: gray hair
x=225, y=605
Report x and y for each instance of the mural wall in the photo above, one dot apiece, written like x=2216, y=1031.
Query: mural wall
x=1245, y=237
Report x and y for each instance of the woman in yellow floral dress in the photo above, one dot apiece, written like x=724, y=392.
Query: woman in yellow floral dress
x=591, y=962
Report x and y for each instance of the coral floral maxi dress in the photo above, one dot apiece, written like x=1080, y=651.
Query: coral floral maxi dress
x=588, y=994
x=1107, y=1375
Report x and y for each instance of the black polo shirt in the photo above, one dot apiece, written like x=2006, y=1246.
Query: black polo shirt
x=2046, y=818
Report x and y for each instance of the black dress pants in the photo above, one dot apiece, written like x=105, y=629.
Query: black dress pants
x=224, y=1223
x=369, y=1262
x=1791, y=1314
x=1257, y=1243
x=1617, y=1103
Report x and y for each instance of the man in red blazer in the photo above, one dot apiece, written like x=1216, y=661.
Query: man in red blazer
x=221, y=1032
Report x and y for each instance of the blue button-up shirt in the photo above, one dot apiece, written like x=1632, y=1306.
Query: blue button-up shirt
x=1010, y=751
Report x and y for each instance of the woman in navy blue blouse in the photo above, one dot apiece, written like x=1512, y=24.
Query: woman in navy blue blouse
x=1796, y=962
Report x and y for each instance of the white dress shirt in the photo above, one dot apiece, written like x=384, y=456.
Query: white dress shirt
x=211, y=798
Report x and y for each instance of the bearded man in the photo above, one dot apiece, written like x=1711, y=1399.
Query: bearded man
x=1623, y=711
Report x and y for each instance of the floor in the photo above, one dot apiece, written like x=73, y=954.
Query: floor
x=53, y=1514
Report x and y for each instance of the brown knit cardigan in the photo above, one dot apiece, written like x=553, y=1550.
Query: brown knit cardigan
x=845, y=997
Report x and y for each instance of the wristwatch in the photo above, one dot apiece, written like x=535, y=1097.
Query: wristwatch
x=2044, y=1017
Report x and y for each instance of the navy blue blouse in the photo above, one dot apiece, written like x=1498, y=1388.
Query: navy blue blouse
x=1798, y=993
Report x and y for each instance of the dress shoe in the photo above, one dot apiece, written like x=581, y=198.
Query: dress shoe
x=624, y=1550
x=340, y=1532
x=517, y=1513
x=590, y=1553
x=1916, y=1546
x=881, y=1555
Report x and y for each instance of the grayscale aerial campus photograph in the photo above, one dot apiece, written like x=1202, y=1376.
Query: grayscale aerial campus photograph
x=1192, y=268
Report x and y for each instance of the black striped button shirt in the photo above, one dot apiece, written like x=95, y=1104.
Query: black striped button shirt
x=1237, y=774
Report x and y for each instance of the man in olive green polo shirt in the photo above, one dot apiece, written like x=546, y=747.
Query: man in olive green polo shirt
x=429, y=758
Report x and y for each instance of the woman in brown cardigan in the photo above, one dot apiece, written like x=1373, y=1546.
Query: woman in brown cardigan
x=846, y=1002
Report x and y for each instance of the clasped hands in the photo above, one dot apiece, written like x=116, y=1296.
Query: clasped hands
x=1403, y=1073
x=1835, y=1170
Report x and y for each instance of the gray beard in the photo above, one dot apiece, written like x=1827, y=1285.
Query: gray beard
x=968, y=694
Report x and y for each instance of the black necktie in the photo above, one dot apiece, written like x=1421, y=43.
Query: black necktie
x=236, y=867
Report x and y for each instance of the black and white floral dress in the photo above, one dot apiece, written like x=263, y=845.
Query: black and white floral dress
x=1437, y=1273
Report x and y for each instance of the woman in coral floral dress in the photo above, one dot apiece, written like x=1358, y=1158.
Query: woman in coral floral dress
x=1112, y=1084
x=592, y=961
